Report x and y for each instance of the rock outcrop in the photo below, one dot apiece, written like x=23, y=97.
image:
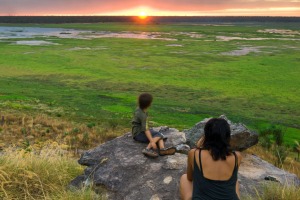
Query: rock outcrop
x=241, y=137
x=126, y=174
x=254, y=172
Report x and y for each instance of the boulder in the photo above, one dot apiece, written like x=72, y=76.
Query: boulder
x=125, y=173
x=241, y=137
x=255, y=172
x=174, y=136
x=121, y=168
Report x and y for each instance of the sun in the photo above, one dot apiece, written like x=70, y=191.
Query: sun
x=143, y=15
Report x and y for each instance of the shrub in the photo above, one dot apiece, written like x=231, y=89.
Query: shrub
x=265, y=138
x=91, y=125
x=272, y=134
x=278, y=134
x=266, y=142
x=75, y=130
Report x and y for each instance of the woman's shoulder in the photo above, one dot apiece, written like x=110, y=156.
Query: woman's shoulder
x=192, y=153
x=239, y=156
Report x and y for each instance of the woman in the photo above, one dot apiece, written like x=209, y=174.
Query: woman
x=212, y=169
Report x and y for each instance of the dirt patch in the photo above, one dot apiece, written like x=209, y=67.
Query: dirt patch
x=242, y=51
x=30, y=52
x=174, y=45
x=286, y=32
x=34, y=43
x=86, y=48
x=189, y=34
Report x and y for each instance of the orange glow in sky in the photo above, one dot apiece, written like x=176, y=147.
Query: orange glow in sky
x=143, y=15
x=144, y=8
x=143, y=12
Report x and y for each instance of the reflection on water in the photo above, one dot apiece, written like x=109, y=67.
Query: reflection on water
x=32, y=32
x=228, y=38
x=35, y=42
x=35, y=32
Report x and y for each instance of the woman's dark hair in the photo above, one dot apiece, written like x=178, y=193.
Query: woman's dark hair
x=217, y=138
x=145, y=100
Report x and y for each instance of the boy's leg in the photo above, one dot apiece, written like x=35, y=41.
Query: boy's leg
x=161, y=144
x=156, y=136
x=141, y=137
x=155, y=140
x=186, y=188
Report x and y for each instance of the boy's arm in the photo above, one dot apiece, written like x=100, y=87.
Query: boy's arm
x=150, y=138
x=145, y=127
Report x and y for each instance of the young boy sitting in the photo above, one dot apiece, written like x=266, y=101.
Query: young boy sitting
x=142, y=133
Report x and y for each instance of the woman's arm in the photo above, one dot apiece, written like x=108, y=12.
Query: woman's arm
x=237, y=189
x=190, y=163
x=239, y=157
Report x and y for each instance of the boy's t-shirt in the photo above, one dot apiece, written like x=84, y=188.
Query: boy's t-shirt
x=139, y=122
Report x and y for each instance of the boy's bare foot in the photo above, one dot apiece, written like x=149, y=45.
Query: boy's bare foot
x=167, y=151
x=150, y=153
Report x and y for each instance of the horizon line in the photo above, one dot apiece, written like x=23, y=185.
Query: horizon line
x=147, y=16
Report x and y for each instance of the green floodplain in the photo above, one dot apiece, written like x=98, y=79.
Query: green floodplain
x=250, y=72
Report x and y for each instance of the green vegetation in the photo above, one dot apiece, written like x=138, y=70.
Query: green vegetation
x=189, y=82
x=273, y=138
x=42, y=174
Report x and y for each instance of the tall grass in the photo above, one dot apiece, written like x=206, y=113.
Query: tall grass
x=43, y=174
x=275, y=191
x=290, y=164
x=22, y=130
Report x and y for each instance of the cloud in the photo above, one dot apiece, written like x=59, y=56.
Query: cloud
x=90, y=7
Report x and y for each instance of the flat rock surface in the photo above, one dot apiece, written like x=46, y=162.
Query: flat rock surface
x=121, y=168
x=254, y=171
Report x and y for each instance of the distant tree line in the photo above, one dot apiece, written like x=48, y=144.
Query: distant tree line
x=129, y=19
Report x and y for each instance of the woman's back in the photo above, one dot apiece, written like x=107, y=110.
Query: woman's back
x=212, y=171
x=214, y=179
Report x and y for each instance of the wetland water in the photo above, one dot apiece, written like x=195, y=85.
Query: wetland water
x=51, y=33
x=35, y=36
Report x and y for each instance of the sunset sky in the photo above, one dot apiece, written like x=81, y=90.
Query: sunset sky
x=152, y=7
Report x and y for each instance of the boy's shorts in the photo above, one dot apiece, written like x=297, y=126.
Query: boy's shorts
x=141, y=137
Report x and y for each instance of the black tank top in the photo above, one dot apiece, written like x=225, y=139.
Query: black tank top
x=206, y=189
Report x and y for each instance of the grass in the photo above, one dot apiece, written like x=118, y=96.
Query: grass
x=274, y=191
x=290, y=164
x=41, y=159
x=22, y=130
x=42, y=174
x=50, y=95
x=188, y=83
